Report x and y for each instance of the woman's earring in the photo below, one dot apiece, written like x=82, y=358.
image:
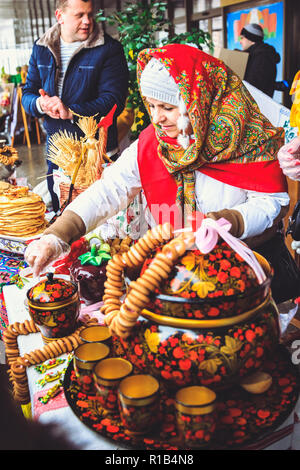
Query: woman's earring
x=183, y=121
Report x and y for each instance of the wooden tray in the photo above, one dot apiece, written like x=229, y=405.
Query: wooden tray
x=243, y=418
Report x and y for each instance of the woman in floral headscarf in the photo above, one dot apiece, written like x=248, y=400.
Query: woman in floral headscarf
x=208, y=149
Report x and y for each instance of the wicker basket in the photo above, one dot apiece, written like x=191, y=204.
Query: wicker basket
x=64, y=192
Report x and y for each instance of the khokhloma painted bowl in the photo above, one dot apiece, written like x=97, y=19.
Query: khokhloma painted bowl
x=54, y=306
x=213, y=341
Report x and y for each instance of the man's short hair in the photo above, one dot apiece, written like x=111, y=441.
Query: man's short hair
x=62, y=4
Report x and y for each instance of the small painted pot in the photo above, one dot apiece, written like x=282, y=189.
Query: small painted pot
x=90, y=280
x=107, y=375
x=85, y=358
x=139, y=403
x=54, y=306
x=196, y=415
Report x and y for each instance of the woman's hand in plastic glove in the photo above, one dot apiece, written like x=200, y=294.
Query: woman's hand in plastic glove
x=42, y=252
x=296, y=246
x=289, y=159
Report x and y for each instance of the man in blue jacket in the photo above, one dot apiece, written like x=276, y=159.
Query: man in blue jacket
x=75, y=70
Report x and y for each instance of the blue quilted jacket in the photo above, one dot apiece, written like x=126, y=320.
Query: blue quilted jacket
x=96, y=79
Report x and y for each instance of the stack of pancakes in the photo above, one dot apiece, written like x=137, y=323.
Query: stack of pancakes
x=22, y=212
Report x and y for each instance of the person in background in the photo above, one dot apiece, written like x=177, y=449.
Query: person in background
x=289, y=161
x=208, y=149
x=261, y=68
x=20, y=433
x=75, y=70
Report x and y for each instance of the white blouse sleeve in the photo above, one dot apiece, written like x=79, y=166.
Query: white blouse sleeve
x=260, y=210
x=119, y=184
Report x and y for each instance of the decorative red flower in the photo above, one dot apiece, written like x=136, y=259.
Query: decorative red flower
x=211, y=271
x=158, y=363
x=209, y=339
x=213, y=312
x=198, y=314
x=87, y=379
x=249, y=363
x=225, y=264
x=178, y=353
x=241, y=285
x=235, y=412
x=112, y=397
x=166, y=375
x=56, y=294
x=173, y=341
x=227, y=253
x=235, y=272
x=222, y=277
x=112, y=428
x=263, y=414
x=185, y=364
x=259, y=351
x=193, y=355
x=177, y=375
x=138, y=350
x=250, y=335
x=230, y=292
x=199, y=434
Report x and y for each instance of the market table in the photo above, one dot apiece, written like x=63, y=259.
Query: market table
x=57, y=411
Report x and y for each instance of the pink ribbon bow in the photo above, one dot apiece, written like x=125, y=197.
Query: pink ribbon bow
x=206, y=238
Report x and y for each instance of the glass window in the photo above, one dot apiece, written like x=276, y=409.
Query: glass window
x=205, y=5
x=180, y=28
x=199, y=5
x=178, y=8
x=203, y=24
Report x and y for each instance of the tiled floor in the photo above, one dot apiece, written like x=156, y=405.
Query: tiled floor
x=33, y=166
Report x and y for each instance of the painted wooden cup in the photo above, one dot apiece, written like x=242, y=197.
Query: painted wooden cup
x=96, y=334
x=107, y=375
x=53, y=304
x=86, y=357
x=139, y=403
x=196, y=415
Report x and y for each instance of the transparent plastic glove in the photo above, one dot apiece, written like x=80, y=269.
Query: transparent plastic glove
x=296, y=246
x=289, y=159
x=41, y=253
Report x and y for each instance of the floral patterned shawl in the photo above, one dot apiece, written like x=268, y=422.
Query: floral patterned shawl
x=227, y=124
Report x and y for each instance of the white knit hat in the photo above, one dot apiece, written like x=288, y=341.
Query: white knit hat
x=157, y=83
x=253, y=32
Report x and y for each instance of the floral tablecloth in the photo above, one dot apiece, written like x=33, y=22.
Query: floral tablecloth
x=10, y=265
